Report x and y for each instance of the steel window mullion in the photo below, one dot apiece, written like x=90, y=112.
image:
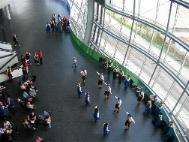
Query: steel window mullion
x=131, y=31
x=158, y=28
x=146, y=54
x=179, y=98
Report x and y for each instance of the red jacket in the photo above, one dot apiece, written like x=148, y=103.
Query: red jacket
x=40, y=54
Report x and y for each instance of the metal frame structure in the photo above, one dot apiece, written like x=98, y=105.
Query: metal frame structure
x=99, y=28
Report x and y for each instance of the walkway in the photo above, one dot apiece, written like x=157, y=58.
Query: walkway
x=56, y=83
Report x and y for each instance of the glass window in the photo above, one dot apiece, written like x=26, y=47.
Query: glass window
x=135, y=60
x=113, y=22
x=183, y=116
x=147, y=70
x=128, y=6
x=174, y=95
x=159, y=86
x=120, y=52
x=182, y=24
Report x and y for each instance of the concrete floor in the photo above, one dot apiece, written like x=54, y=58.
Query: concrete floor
x=56, y=82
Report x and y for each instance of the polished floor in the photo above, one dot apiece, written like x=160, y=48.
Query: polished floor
x=56, y=82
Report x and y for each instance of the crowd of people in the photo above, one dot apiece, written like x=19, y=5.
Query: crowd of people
x=10, y=105
x=150, y=102
x=108, y=93
x=58, y=24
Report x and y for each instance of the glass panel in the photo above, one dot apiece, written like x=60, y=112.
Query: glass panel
x=147, y=11
x=174, y=95
x=157, y=44
x=118, y=4
x=185, y=70
x=182, y=24
x=109, y=44
x=147, y=70
x=183, y=116
x=159, y=86
x=128, y=6
x=142, y=35
x=120, y=52
x=113, y=22
x=175, y=56
x=135, y=61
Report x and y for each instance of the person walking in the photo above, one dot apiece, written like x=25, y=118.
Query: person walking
x=96, y=114
x=108, y=91
x=79, y=90
x=87, y=99
x=129, y=121
x=118, y=104
x=40, y=56
x=15, y=41
x=140, y=97
x=9, y=72
x=83, y=76
x=100, y=79
x=74, y=64
x=106, y=129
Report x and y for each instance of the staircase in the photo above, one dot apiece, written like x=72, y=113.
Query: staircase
x=8, y=57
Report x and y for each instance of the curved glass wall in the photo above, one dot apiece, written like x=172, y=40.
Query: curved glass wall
x=150, y=38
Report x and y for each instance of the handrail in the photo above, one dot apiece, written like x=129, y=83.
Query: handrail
x=7, y=62
x=6, y=56
x=2, y=49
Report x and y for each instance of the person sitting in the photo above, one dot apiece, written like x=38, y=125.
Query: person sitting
x=8, y=130
x=46, y=118
x=32, y=119
x=29, y=104
x=33, y=91
x=26, y=124
x=39, y=139
x=4, y=111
